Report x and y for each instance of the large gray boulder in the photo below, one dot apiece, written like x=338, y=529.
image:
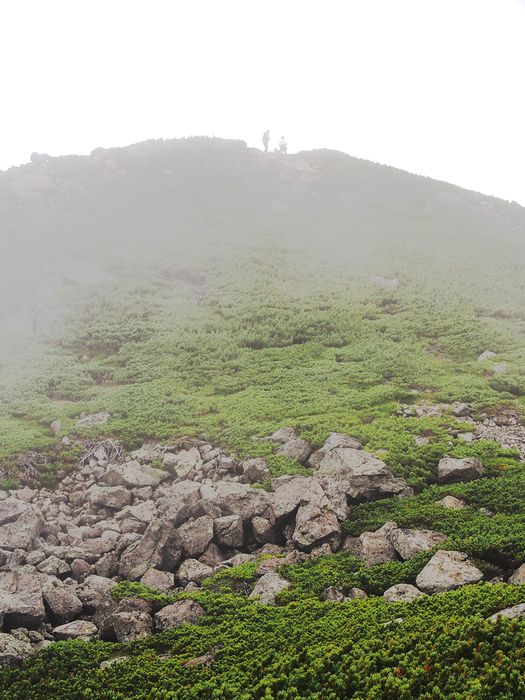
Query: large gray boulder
x=314, y=525
x=134, y=475
x=114, y=497
x=194, y=536
x=268, y=587
x=193, y=571
x=22, y=525
x=13, y=651
x=21, y=598
x=160, y=580
x=181, y=463
x=183, y=612
x=229, y=531
x=518, y=576
x=61, y=603
x=451, y=470
x=156, y=548
x=359, y=475
x=93, y=590
x=238, y=499
x=290, y=492
x=447, y=570
x=180, y=501
x=408, y=543
x=130, y=619
x=255, y=469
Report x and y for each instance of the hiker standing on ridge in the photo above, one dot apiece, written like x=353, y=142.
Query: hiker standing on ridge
x=283, y=146
x=266, y=140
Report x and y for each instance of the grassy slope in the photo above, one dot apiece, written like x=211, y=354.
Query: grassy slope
x=240, y=301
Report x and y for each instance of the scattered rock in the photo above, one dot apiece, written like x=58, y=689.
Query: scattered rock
x=452, y=470
x=297, y=449
x=183, y=612
x=408, y=543
x=447, y=570
x=268, y=587
x=134, y=475
x=402, y=593
x=486, y=355
x=21, y=599
x=13, y=651
x=93, y=419
x=510, y=613
x=114, y=497
x=159, y=580
x=518, y=576
x=79, y=629
x=452, y=502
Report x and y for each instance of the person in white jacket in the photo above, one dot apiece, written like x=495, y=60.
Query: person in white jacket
x=283, y=146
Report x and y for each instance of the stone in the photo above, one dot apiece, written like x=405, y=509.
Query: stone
x=114, y=497
x=500, y=368
x=358, y=474
x=130, y=619
x=356, y=594
x=268, y=587
x=402, y=593
x=486, y=355
x=13, y=651
x=333, y=441
x=11, y=509
x=181, y=463
x=263, y=530
x=93, y=591
x=376, y=547
x=283, y=435
x=333, y=594
x=314, y=525
x=182, y=612
x=290, y=492
x=53, y=566
x=408, y=543
x=156, y=548
x=510, y=613
x=518, y=576
x=21, y=599
x=20, y=532
x=93, y=419
x=452, y=502
x=255, y=470
x=192, y=570
x=134, y=475
x=466, y=437
x=447, y=570
x=238, y=499
x=195, y=535
x=228, y=531
x=62, y=604
x=160, y=580
x=79, y=629
x=451, y=470
x=461, y=410
x=297, y=449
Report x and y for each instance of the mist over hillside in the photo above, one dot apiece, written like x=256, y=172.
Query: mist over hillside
x=201, y=203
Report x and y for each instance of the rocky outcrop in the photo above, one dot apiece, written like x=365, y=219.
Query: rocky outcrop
x=268, y=588
x=447, y=570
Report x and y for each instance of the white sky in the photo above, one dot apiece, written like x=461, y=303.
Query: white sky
x=431, y=86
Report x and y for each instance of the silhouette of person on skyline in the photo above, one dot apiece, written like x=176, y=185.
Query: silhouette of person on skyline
x=283, y=146
x=266, y=140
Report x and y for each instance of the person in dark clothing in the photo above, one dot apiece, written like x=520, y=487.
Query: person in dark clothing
x=266, y=140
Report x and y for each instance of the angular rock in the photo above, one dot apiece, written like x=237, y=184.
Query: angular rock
x=183, y=612
x=21, y=532
x=238, y=499
x=79, y=629
x=268, y=587
x=114, y=497
x=452, y=470
x=195, y=535
x=263, y=530
x=333, y=441
x=376, y=547
x=156, y=548
x=131, y=619
x=314, y=525
x=290, y=492
x=11, y=509
x=408, y=543
x=13, y=651
x=297, y=449
x=21, y=598
x=447, y=570
x=93, y=591
x=283, y=435
x=255, y=470
x=518, y=576
x=160, y=580
x=356, y=593
x=181, y=463
x=61, y=603
x=402, y=593
x=333, y=594
x=486, y=355
x=228, y=531
x=359, y=475
x=93, y=419
x=53, y=566
x=134, y=475
x=192, y=570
